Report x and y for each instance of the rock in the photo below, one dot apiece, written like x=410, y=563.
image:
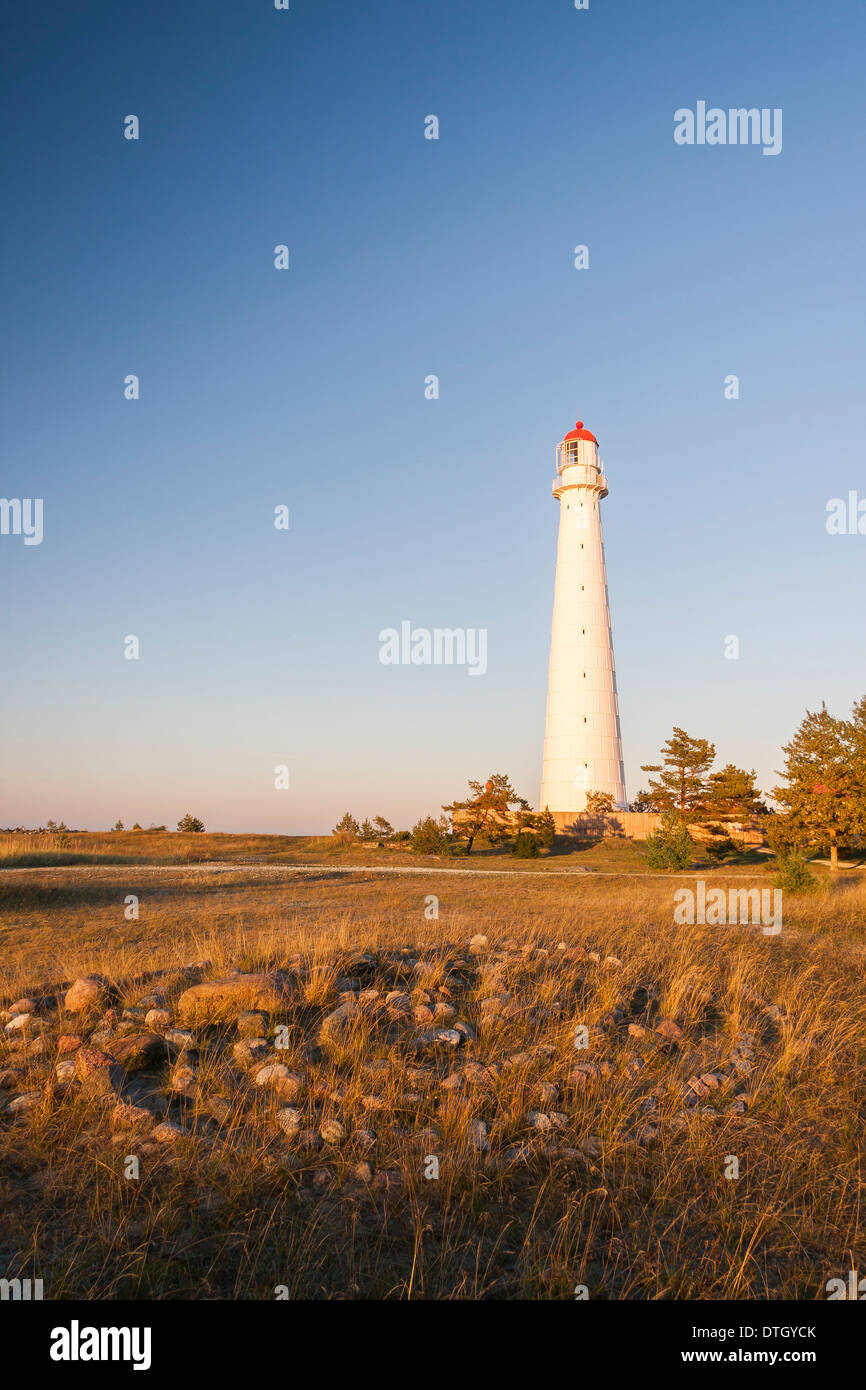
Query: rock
x=138, y=1051
x=252, y=1023
x=374, y=1103
x=133, y=1015
x=636, y=1030
x=398, y=1001
x=647, y=1133
x=710, y=1080
x=102, y=1084
x=28, y=1101
x=448, y=1037
x=168, y=1132
x=669, y=1030
x=182, y=1039
x=452, y=1082
x=220, y=1001
x=475, y=1074
x=420, y=1076
x=292, y=1085
x=737, y=1107
x=362, y=1172
x=158, y=1018
x=23, y=1006
x=363, y=1139
x=65, y=1070
x=271, y=1075
x=612, y=962
x=19, y=1024
x=68, y=1042
x=466, y=1031
x=538, y=1120
x=126, y=1116
x=86, y=993
x=444, y=1013
x=477, y=1133
x=250, y=1051
x=310, y=1139
x=332, y=1132
x=590, y=1145
x=8, y=1078
x=477, y=944
x=359, y=964
x=336, y=1027
x=548, y=1092
x=89, y=1060
x=423, y=1014
x=183, y=1081
x=218, y=1108
x=289, y=1120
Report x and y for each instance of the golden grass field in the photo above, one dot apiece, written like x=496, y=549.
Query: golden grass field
x=623, y=1192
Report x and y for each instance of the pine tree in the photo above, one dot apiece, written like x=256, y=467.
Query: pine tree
x=546, y=827
x=682, y=780
x=347, y=829
x=819, y=801
x=733, y=795
x=670, y=847
x=487, y=811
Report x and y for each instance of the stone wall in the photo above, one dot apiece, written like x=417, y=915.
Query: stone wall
x=630, y=825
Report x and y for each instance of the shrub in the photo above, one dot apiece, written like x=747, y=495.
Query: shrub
x=185, y=825
x=724, y=848
x=794, y=875
x=526, y=846
x=670, y=847
x=430, y=836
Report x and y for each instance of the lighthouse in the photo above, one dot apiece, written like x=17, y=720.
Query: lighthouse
x=582, y=742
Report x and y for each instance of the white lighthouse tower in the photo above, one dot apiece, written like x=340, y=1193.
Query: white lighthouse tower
x=582, y=743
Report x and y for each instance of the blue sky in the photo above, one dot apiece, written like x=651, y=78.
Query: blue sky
x=305, y=387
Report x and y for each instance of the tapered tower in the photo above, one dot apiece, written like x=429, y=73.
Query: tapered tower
x=582, y=743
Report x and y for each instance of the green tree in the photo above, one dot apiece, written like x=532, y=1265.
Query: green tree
x=855, y=741
x=819, y=800
x=118, y=825
x=187, y=824
x=367, y=831
x=430, y=836
x=599, y=803
x=525, y=845
x=347, y=829
x=681, y=783
x=733, y=795
x=793, y=875
x=384, y=828
x=546, y=827
x=487, y=811
x=670, y=847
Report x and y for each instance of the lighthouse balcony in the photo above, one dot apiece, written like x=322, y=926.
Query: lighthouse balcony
x=580, y=476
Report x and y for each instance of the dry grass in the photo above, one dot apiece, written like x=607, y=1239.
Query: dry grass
x=628, y=1198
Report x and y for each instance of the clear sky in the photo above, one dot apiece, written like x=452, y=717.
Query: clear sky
x=305, y=387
